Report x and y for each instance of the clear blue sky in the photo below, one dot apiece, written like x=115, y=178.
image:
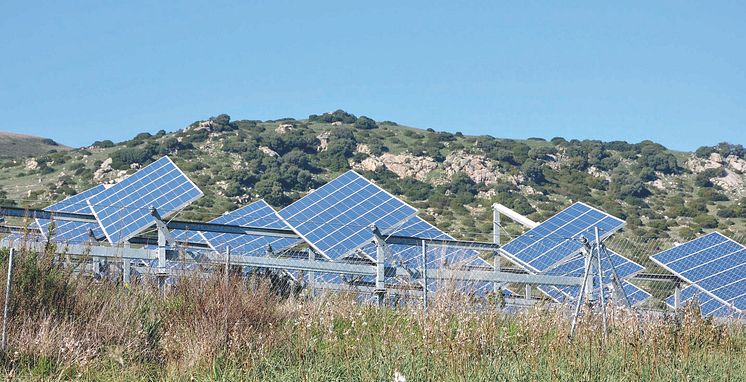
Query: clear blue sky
x=667, y=71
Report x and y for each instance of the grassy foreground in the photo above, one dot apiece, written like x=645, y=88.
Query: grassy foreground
x=68, y=327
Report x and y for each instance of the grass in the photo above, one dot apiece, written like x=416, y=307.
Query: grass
x=65, y=326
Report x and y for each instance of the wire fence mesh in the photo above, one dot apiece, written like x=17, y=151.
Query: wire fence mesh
x=406, y=268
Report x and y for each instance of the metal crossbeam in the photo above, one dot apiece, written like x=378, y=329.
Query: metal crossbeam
x=454, y=244
x=241, y=230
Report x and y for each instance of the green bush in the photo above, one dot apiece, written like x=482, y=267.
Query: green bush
x=365, y=123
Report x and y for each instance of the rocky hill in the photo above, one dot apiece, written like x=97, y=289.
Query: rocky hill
x=452, y=178
x=14, y=145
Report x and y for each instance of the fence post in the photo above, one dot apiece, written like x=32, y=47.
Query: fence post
x=311, y=275
x=8, y=285
x=424, y=276
x=225, y=296
x=126, y=272
x=380, y=277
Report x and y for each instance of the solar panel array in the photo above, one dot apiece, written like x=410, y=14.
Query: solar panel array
x=257, y=214
x=624, y=268
x=336, y=221
x=437, y=256
x=713, y=263
x=336, y=218
x=123, y=210
x=557, y=238
x=72, y=231
x=553, y=247
x=708, y=305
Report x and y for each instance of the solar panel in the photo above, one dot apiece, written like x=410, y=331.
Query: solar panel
x=576, y=267
x=72, y=231
x=257, y=214
x=336, y=218
x=437, y=256
x=708, y=305
x=714, y=263
x=123, y=210
x=558, y=237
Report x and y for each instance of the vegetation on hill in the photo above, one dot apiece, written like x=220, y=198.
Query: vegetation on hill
x=452, y=178
x=14, y=146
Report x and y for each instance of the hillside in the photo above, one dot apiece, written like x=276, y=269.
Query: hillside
x=452, y=178
x=13, y=145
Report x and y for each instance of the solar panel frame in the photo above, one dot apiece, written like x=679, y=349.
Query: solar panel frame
x=412, y=255
x=713, y=242
x=549, y=239
x=708, y=305
x=624, y=267
x=256, y=214
x=109, y=205
x=337, y=199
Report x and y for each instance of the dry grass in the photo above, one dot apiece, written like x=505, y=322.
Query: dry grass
x=69, y=327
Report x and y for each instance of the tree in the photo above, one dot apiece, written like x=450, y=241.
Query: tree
x=365, y=123
x=533, y=171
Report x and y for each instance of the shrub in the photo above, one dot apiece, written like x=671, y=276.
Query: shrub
x=365, y=123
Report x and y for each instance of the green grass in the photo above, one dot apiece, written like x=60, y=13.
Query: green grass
x=68, y=327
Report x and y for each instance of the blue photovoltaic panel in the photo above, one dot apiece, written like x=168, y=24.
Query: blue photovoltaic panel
x=558, y=237
x=72, y=231
x=336, y=218
x=713, y=263
x=188, y=236
x=575, y=267
x=257, y=214
x=437, y=256
x=123, y=210
x=708, y=305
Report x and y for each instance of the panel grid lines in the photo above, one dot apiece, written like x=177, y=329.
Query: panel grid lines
x=336, y=218
x=713, y=263
x=123, y=210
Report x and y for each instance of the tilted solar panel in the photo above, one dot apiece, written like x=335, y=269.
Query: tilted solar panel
x=123, y=210
x=336, y=218
x=437, y=256
x=71, y=231
x=558, y=237
x=576, y=267
x=713, y=263
x=708, y=305
x=257, y=214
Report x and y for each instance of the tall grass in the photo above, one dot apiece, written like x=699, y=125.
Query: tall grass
x=66, y=326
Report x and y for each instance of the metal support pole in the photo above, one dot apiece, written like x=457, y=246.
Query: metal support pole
x=380, y=276
x=495, y=225
x=424, y=276
x=126, y=272
x=677, y=297
x=528, y=292
x=227, y=263
x=8, y=286
x=311, y=274
x=601, y=284
x=225, y=297
x=579, y=301
x=588, y=264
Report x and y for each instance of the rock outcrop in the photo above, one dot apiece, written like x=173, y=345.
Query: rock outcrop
x=403, y=165
x=477, y=167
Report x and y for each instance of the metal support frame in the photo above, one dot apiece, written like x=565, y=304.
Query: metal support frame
x=594, y=254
